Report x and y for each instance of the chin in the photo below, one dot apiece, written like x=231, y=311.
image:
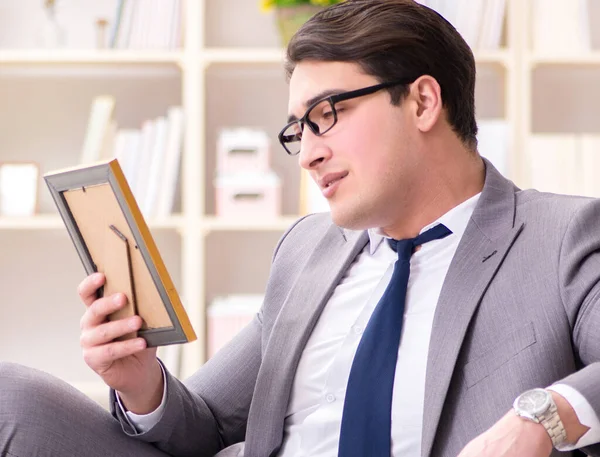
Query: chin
x=350, y=219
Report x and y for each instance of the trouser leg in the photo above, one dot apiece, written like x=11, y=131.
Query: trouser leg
x=41, y=415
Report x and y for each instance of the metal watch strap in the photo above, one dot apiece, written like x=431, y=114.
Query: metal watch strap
x=553, y=425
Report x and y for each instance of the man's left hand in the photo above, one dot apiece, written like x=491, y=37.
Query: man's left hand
x=511, y=436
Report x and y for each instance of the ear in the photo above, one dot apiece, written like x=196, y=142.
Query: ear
x=427, y=94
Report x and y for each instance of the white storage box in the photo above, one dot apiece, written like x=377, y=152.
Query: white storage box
x=243, y=150
x=227, y=316
x=242, y=195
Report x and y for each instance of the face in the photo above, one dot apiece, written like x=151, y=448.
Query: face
x=366, y=164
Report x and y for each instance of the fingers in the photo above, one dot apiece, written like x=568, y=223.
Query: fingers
x=108, y=331
x=99, y=309
x=88, y=287
x=100, y=358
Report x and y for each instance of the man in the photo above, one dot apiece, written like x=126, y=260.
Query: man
x=501, y=299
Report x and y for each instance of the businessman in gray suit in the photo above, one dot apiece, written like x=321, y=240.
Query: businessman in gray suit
x=494, y=349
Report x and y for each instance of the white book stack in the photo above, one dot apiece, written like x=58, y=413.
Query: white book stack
x=491, y=24
x=150, y=158
x=127, y=145
x=171, y=164
x=100, y=129
x=154, y=165
x=468, y=21
x=560, y=27
x=138, y=174
x=479, y=22
x=146, y=24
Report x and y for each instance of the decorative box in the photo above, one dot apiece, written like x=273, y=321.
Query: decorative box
x=242, y=195
x=227, y=316
x=243, y=150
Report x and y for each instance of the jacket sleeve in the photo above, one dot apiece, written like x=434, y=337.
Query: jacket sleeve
x=208, y=411
x=579, y=276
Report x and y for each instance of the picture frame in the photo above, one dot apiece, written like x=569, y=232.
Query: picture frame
x=111, y=236
x=19, y=189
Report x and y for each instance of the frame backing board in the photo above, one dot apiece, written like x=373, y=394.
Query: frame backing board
x=111, y=236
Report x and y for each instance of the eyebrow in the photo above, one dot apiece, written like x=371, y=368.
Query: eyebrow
x=321, y=95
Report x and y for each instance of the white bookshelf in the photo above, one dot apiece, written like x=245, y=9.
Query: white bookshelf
x=58, y=57
x=250, y=55
x=54, y=222
x=215, y=224
x=214, y=62
x=582, y=58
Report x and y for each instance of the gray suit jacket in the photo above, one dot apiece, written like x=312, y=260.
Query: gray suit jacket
x=519, y=308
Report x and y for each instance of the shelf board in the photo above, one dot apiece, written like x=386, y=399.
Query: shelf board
x=277, y=55
x=51, y=221
x=215, y=224
x=243, y=55
x=497, y=56
x=582, y=58
x=76, y=56
x=208, y=55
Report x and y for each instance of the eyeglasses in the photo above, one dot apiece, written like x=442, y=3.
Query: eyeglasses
x=321, y=116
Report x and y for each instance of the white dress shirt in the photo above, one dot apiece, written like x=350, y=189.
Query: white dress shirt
x=313, y=419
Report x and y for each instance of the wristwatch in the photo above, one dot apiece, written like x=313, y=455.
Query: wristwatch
x=538, y=406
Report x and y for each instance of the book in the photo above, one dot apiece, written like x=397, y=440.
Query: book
x=168, y=181
x=155, y=166
x=99, y=123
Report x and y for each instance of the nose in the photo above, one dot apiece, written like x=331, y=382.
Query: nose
x=313, y=150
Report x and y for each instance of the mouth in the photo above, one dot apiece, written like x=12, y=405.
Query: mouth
x=331, y=179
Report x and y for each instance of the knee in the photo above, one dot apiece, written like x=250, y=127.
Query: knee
x=10, y=371
x=23, y=389
x=35, y=412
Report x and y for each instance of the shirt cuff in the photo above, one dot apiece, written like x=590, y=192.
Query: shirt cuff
x=143, y=422
x=585, y=413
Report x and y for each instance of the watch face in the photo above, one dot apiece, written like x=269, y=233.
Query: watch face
x=534, y=401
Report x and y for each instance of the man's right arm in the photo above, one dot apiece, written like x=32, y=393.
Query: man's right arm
x=210, y=410
x=199, y=420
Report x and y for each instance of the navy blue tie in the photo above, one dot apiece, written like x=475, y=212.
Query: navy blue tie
x=367, y=417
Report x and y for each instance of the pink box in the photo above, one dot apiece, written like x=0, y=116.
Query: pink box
x=242, y=195
x=243, y=150
x=227, y=316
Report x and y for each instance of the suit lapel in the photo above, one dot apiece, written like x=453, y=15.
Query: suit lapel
x=484, y=245
x=330, y=259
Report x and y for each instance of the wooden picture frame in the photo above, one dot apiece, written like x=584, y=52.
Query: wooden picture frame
x=111, y=236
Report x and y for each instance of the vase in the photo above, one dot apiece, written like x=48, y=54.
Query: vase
x=50, y=33
x=291, y=18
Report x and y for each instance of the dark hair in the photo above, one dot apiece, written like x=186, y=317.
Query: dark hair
x=393, y=39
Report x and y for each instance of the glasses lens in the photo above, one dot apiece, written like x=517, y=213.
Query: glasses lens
x=291, y=137
x=322, y=117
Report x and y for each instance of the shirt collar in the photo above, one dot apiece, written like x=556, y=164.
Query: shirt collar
x=456, y=220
